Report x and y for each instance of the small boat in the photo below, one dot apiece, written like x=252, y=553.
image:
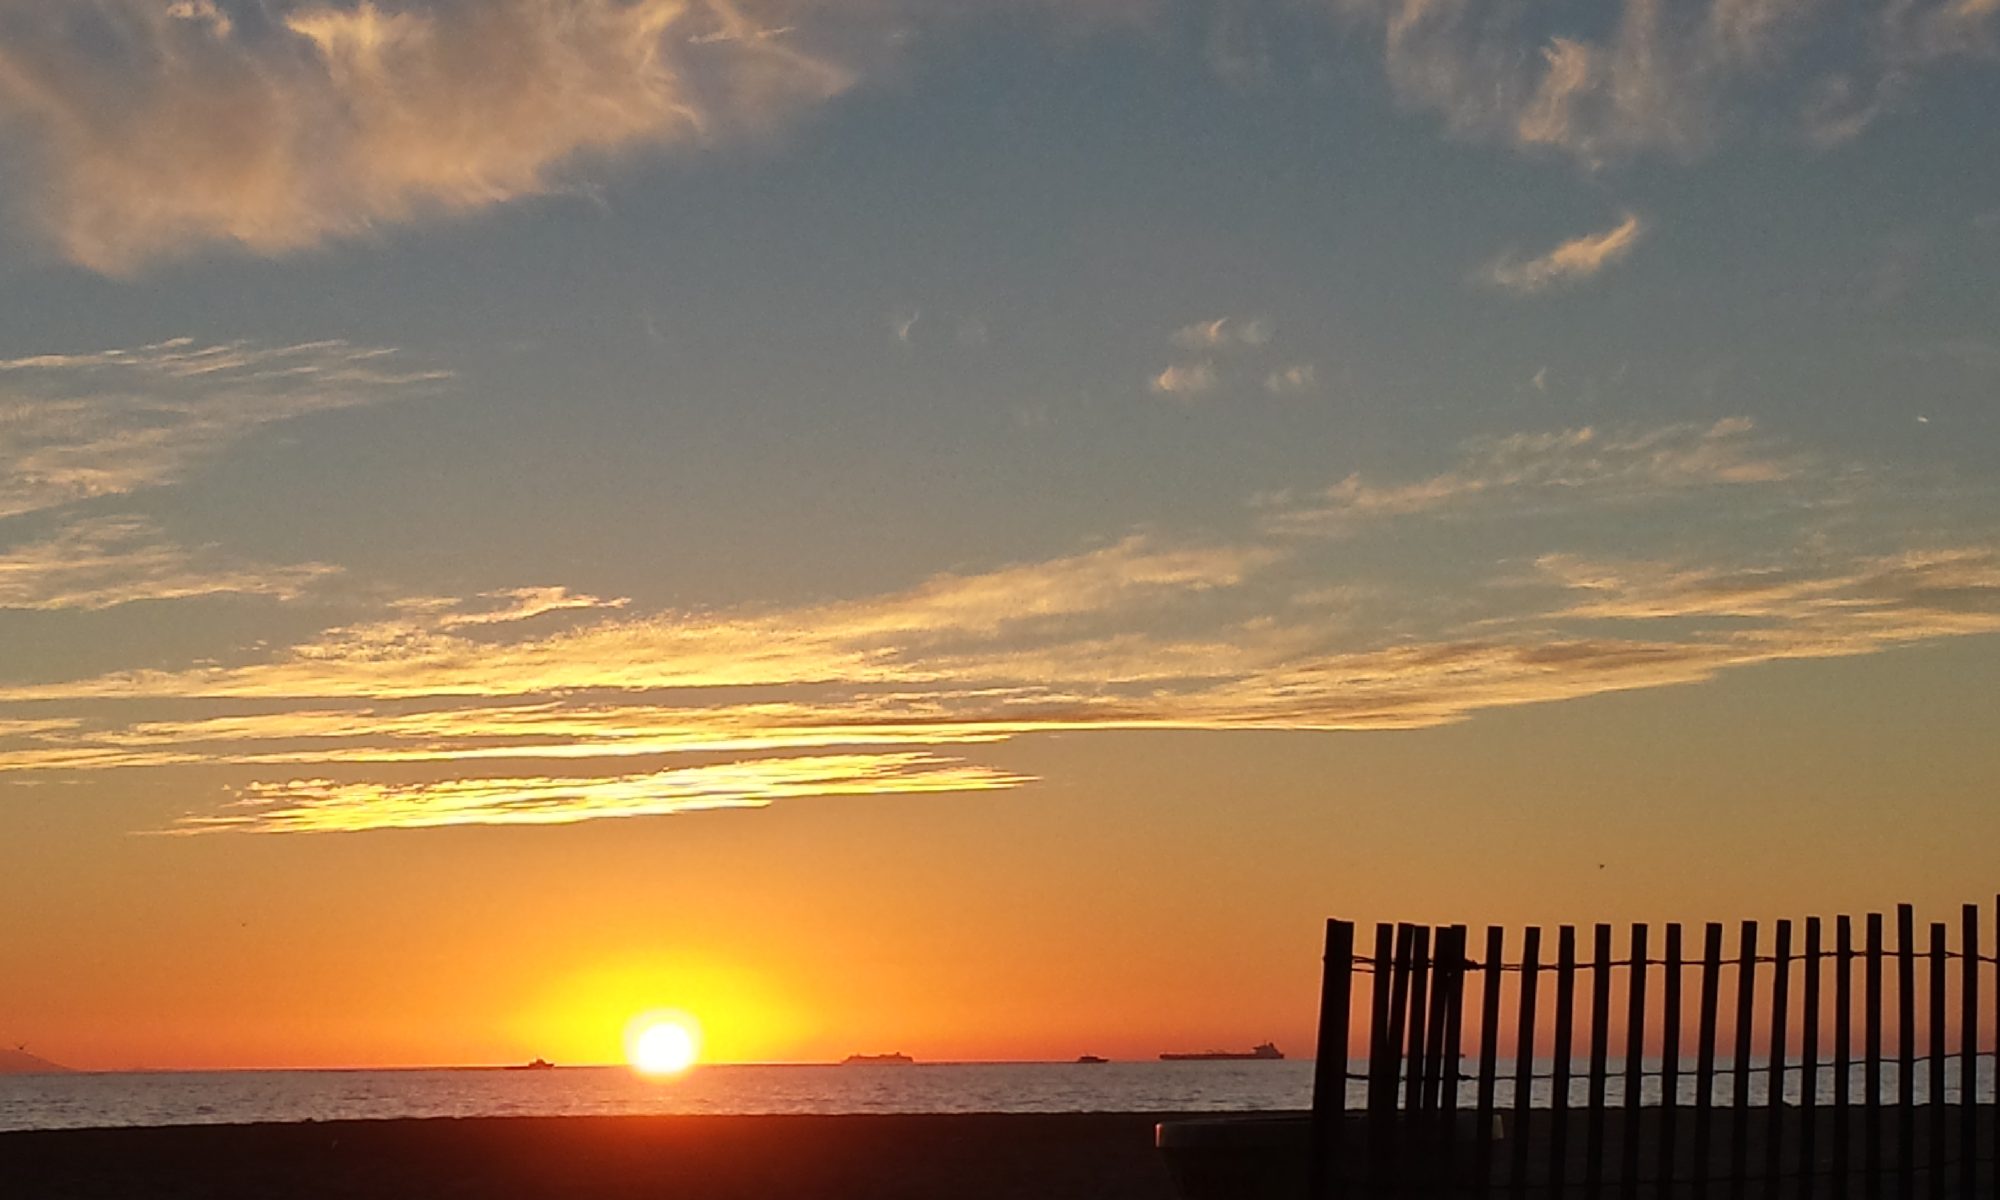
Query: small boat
x=540, y=1064
x=1090, y=1058
x=863, y=1060
x=1263, y=1052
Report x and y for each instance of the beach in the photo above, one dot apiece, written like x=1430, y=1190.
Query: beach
x=1099, y=1156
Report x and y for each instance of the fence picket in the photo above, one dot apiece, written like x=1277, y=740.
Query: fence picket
x=1774, y=1087
x=1600, y=1048
x=1670, y=1055
x=1871, y=1062
x=1704, y=1063
x=1739, y=1061
x=1906, y=1052
x=1843, y=1056
x=1419, y=1026
x=1489, y=1062
x=1934, y=1159
x=1559, y=1085
x=1384, y=1053
x=1968, y=1050
x=1336, y=994
x=1635, y=1063
x=1524, y=1058
x=1809, y=1062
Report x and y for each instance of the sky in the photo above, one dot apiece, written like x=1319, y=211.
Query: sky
x=966, y=527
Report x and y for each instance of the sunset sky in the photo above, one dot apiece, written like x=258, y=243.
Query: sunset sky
x=967, y=527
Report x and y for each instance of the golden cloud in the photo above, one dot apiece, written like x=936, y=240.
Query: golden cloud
x=866, y=694
x=295, y=123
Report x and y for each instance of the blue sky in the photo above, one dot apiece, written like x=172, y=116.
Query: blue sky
x=1254, y=351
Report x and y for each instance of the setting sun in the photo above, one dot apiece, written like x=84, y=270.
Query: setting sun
x=662, y=1045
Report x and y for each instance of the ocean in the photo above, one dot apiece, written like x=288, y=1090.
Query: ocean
x=234, y=1097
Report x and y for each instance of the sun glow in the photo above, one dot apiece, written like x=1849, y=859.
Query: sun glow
x=662, y=1043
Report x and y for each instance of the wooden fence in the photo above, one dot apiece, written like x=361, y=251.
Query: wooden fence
x=1816, y=1079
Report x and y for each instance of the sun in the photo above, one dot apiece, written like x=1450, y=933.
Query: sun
x=662, y=1043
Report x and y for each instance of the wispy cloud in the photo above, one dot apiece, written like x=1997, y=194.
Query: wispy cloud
x=1581, y=464
x=1575, y=260
x=1600, y=82
x=157, y=129
x=439, y=711
x=327, y=806
x=104, y=562
x=79, y=426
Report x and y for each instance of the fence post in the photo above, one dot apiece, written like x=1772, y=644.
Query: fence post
x=1336, y=994
x=1968, y=1050
x=1774, y=1088
x=1843, y=1055
x=1600, y=1048
x=1739, y=1065
x=1871, y=1061
x=1934, y=1159
x=1906, y=1052
x=1635, y=1063
x=1559, y=1067
x=1413, y=1061
x=1445, y=1003
x=1444, y=967
x=1489, y=1060
x=1704, y=1063
x=1670, y=1056
x=1524, y=1058
x=1384, y=1053
x=1809, y=1062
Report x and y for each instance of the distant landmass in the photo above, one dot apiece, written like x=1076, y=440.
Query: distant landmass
x=20, y=1062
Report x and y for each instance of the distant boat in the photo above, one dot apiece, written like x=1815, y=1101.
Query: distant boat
x=862, y=1060
x=1090, y=1058
x=1263, y=1051
x=540, y=1064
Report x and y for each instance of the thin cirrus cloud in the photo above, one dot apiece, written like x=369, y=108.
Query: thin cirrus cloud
x=1600, y=82
x=327, y=806
x=157, y=129
x=84, y=426
x=533, y=706
x=1572, y=262
x=104, y=562
x=1497, y=475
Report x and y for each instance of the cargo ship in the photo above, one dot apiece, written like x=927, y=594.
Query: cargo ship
x=867, y=1059
x=1264, y=1050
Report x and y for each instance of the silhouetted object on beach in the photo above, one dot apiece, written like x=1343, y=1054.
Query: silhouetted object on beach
x=1263, y=1051
x=1801, y=1120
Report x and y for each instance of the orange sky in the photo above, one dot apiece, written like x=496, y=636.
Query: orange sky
x=1122, y=911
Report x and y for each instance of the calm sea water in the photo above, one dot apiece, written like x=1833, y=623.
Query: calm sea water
x=230, y=1097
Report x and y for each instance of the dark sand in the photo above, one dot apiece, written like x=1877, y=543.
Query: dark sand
x=1099, y=1156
